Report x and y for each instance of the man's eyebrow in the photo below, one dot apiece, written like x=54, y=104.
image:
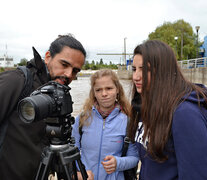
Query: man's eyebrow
x=74, y=68
x=66, y=62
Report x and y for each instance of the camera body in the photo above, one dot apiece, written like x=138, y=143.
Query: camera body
x=50, y=100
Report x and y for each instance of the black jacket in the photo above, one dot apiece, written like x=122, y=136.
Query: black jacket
x=23, y=143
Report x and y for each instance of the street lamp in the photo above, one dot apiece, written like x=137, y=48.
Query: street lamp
x=197, y=29
x=125, y=50
x=176, y=39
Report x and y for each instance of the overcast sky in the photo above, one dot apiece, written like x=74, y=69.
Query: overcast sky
x=100, y=25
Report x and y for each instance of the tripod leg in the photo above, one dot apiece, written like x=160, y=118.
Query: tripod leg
x=82, y=169
x=68, y=157
x=44, y=165
x=74, y=170
x=67, y=165
x=68, y=175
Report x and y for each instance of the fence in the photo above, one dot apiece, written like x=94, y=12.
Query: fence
x=193, y=63
x=195, y=70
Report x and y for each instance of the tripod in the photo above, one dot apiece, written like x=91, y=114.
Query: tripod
x=60, y=157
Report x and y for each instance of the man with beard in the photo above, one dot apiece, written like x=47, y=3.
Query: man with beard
x=22, y=144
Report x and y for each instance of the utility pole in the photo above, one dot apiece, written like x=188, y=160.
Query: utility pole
x=197, y=29
x=181, y=51
x=125, y=51
x=176, y=39
x=6, y=51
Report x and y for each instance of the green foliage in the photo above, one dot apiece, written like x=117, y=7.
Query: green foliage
x=185, y=46
x=6, y=69
x=23, y=62
x=101, y=61
x=2, y=69
x=98, y=65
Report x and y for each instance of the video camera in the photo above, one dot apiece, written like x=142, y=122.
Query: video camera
x=52, y=103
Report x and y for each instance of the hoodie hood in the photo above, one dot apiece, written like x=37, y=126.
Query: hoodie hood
x=193, y=97
x=40, y=67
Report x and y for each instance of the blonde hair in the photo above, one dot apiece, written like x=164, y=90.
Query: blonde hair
x=121, y=98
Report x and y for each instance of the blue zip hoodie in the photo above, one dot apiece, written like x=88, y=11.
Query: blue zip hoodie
x=102, y=138
x=187, y=155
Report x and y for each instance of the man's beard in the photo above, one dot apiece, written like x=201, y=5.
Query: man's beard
x=65, y=79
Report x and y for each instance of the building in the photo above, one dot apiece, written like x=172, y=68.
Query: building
x=203, y=48
x=6, y=61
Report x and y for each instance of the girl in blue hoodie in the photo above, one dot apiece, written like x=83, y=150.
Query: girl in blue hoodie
x=103, y=125
x=169, y=117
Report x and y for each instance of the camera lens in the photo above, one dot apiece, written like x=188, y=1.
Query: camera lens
x=27, y=111
x=35, y=108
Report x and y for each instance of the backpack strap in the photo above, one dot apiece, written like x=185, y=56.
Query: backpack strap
x=81, y=133
x=25, y=92
x=125, y=146
x=126, y=141
x=130, y=174
x=27, y=83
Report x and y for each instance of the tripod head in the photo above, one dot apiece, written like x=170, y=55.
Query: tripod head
x=59, y=130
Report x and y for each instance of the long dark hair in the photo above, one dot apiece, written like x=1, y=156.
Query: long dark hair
x=157, y=103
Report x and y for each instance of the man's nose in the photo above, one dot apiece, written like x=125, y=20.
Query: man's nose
x=69, y=72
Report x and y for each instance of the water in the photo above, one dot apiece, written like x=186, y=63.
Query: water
x=80, y=92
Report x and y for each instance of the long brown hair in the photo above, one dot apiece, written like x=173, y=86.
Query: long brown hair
x=159, y=101
x=121, y=98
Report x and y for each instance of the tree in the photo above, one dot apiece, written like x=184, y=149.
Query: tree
x=93, y=62
x=2, y=69
x=94, y=67
x=101, y=61
x=185, y=45
x=23, y=62
x=86, y=65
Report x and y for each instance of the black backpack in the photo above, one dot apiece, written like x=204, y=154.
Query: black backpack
x=25, y=92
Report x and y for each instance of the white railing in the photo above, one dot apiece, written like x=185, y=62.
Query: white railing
x=193, y=63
